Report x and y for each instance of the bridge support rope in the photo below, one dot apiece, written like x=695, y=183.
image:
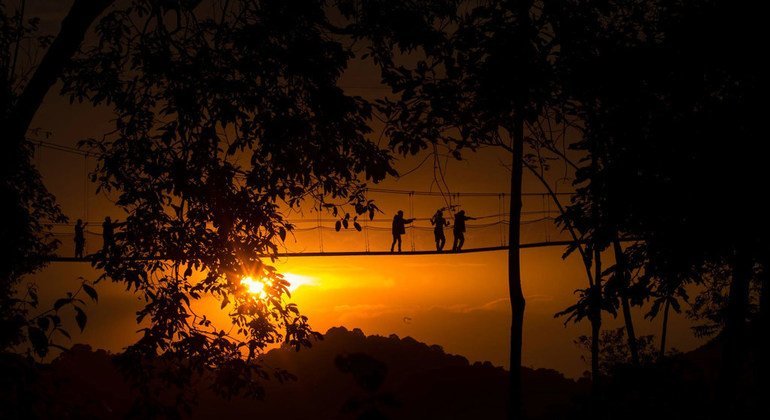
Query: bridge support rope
x=411, y=216
x=366, y=254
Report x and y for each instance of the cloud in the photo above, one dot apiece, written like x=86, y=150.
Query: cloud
x=336, y=283
x=497, y=305
x=358, y=308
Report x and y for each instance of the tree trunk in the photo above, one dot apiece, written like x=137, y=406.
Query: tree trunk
x=622, y=272
x=81, y=16
x=596, y=322
x=15, y=121
x=514, y=270
x=735, y=325
x=764, y=305
x=664, y=331
x=763, y=329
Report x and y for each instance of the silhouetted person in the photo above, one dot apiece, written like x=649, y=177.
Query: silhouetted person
x=438, y=231
x=108, y=236
x=459, y=230
x=399, y=228
x=80, y=238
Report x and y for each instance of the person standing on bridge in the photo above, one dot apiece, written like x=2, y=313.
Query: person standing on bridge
x=438, y=231
x=80, y=238
x=108, y=236
x=399, y=228
x=459, y=230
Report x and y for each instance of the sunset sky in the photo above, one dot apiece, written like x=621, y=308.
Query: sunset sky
x=457, y=301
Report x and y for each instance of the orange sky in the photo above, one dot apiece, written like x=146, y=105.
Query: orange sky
x=457, y=301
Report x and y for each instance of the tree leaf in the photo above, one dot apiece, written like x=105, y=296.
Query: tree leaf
x=43, y=323
x=80, y=318
x=64, y=332
x=91, y=292
x=39, y=340
x=61, y=302
x=357, y=226
x=338, y=226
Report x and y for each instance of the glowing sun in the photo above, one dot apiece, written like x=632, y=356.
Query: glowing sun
x=254, y=287
x=258, y=288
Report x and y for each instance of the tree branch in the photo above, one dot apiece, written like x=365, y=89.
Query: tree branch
x=73, y=30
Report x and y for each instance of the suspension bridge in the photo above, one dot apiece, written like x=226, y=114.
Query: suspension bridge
x=315, y=233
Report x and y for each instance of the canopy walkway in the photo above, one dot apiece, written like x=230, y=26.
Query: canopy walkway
x=367, y=253
x=315, y=233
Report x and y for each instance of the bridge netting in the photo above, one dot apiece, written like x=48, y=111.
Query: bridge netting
x=315, y=231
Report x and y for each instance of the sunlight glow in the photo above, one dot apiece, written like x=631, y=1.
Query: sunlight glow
x=254, y=287
x=257, y=288
x=296, y=280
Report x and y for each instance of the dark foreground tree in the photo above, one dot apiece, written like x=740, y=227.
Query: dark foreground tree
x=227, y=115
x=669, y=93
x=28, y=208
x=464, y=78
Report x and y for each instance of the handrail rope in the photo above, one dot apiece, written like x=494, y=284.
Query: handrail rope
x=374, y=228
x=411, y=215
x=372, y=253
x=66, y=149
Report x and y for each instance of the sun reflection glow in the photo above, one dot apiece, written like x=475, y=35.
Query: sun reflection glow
x=257, y=288
x=296, y=280
x=254, y=287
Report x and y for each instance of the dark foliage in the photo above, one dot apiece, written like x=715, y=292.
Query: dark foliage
x=227, y=116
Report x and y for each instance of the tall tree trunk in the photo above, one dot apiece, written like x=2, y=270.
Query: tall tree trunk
x=664, y=331
x=763, y=329
x=764, y=304
x=735, y=326
x=73, y=30
x=598, y=236
x=15, y=120
x=514, y=269
x=622, y=272
x=596, y=322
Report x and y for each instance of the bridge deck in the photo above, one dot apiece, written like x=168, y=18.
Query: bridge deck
x=371, y=253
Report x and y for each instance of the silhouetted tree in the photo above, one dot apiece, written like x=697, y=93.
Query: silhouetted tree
x=596, y=42
x=226, y=116
x=29, y=209
x=660, y=87
x=369, y=374
x=270, y=96
x=479, y=76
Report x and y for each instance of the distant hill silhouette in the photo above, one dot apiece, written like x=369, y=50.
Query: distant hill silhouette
x=349, y=375
x=422, y=381
x=398, y=378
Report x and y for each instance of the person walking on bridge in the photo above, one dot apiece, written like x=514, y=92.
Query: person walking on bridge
x=459, y=230
x=80, y=238
x=398, y=229
x=108, y=236
x=438, y=231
